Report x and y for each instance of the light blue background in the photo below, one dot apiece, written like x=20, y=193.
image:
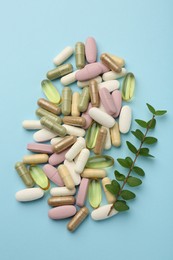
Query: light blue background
x=32, y=33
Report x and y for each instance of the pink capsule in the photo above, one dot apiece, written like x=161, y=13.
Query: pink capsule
x=103, y=67
x=62, y=212
x=82, y=192
x=107, y=101
x=56, y=159
x=87, y=117
x=90, y=71
x=90, y=50
x=117, y=99
x=52, y=173
x=40, y=148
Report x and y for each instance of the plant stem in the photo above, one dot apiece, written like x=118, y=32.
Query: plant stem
x=132, y=166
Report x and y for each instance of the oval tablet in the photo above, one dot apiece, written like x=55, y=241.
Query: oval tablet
x=82, y=160
x=32, y=124
x=62, y=212
x=56, y=159
x=108, y=140
x=50, y=91
x=90, y=71
x=87, y=117
x=90, y=50
x=69, y=78
x=101, y=117
x=71, y=167
x=40, y=148
x=102, y=212
x=63, y=55
x=52, y=173
x=75, y=149
x=43, y=135
x=82, y=84
x=62, y=191
x=125, y=119
x=117, y=99
x=29, y=194
x=111, y=75
x=110, y=85
x=82, y=192
x=73, y=130
x=107, y=101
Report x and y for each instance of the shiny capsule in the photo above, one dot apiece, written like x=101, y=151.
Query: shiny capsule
x=66, y=101
x=56, y=201
x=128, y=87
x=94, y=93
x=35, y=158
x=74, y=121
x=50, y=91
x=53, y=126
x=91, y=135
x=109, y=62
x=74, y=106
x=115, y=135
x=100, y=141
x=66, y=177
x=119, y=61
x=93, y=173
x=24, y=174
x=43, y=112
x=95, y=193
x=80, y=55
x=84, y=100
x=39, y=177
x=78, y=219
x=49, y=106
x=60, y=71
x=99, y=162
x=64, y=143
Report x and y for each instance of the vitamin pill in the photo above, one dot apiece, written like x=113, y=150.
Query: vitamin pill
x=75, y=149
x=100, y=141
x=101, y=117
x=90, y=50
x=78, y=219
x=66, y=101
x=62, y=212
x=99, y=162
x=53, y=126
x=64, y=144
x=109, y=196
x=71, y=167
x=50, y=91
x=74, y=107
x=63, y=55
x=111, y=75
x=82, y=84
x=24, y=174
x=84, y=100
x=108, y=140
x=39, y=177
x=74, y=121
x=109, y=62
x=115, y=135
x=91, y=135
x=90, y=71
x=69, y=78
x=101, y=107
x=59, y=71
x=32, y=124
x=119, y=61
x=29, y=194
x=49, y=106
x=94, y=193
x=43, y=135
x=82, y=192
x=62, y=191
x=55, y=140
x=56, y=159
x=87, y=117
x=61, y=201
x=107, y=101
x=53, y=175
x=110, y=85
x=103, y=67
x=80, y=55
x=35, y=158
x=94, y=93
x=82, y=160
x=43, y=112
x=102, y=212
x=66, y=177
x=93, y=173
x=125, y=119
x=40, y=148
x=128, y=87
x=117, y=99
x=73, y=130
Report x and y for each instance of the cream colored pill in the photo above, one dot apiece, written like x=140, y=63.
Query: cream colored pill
x=73, y=130
x=32, y=124
x=35, y=158
x=29, y=194
x=102, y=212
x=125, y=119
x=93, y=173
x=43, y=135
x=82, y=160
x=69, y=78
x=74, y=106
x=101, y=117
x=71, y=167
x=115, y=135
x=111, y=75
x=63, y=55
x=82, y=84
x=111, y=85
x=109, y=196
x=75, y=149
x=108, y=140
x=56, y=140
x=62, y=191
x=66, y=176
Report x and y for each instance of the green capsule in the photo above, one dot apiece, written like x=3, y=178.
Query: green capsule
x=39, y=177
x=80, y=55
x=50, y=91
x=66, y=101
x=95, y=193
x=43, y=112
x=60, y=71
x=128, y=87
x=99, y=162
x=84, y=100
x=91, y=135
x=53, y=126
x=24, y=174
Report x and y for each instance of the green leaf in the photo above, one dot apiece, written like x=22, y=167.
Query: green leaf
x=114, y=187
x=138, y=134
x=152, y=110
x=123, y=162
x=119, y=176
x=131, y=147
x=129, y=161
x=127, y=195
x=153, y=124
x=142, y=123
x=133, y=181
x=145, y=152
x=150, y=140
x=121, y=205
x=138, y=170
x=160, y=112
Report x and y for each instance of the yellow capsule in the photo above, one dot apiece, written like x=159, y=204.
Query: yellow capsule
x=74, y=107
x=109, y=196
x=60, y=71
x=128, y=87
x=94, y=93
x=39, y=177
x=64, y=143
x=35, y=158
x=100, y=141
x=66, y=177
x=74, y=120
x=115, y=135
x=78, y=219
x=93, y=173
x=50, y=91
x=110, y=63
x=95, y=193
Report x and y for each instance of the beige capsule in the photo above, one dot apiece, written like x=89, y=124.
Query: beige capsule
x=109, y=196
x=64, y=143
x=66, y=177
x=61, y=201
x=100, y=141
x=49, y=106
x=119, y=61
x=115, y=135
x=78, y=219
x=74, y=107
x=74, y=120
x=35, y=158
x=93, y=173
x=94, y=93
x=109, y=62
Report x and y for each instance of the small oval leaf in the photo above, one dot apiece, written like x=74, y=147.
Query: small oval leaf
x=121, y=205
x=142, y=123
x=138, y=134
x=150, y=140
x=119, y=176
x=151, y=109
x=123, y=162
x=133, y=181
x=151, y=123
x=131, y=147
x=138, y=170
x=127, y=195
x=160, y=112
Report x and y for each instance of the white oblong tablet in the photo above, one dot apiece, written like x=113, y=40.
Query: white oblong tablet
x=110, y=85
x=101, y=213
x=63, y=55
x=125, y=119
x=108, y=143
x=56, y=140
x=29, y=194
x=71, y=167
x=69, y=78
x=73, y=130
x=75, y=149
x=111, y=75
x=62, y=191
x=32, y=124
x=101, y=117
x=82, y=84
x=82, y=160
x=43, y=135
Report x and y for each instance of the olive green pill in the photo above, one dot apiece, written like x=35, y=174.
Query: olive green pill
x=91, y=135
x=95, y=193
x=50, y=91
x=39, y=177
x=128, y=87
x=66, y=101
x=43, y=112
x=49, y=106
x=84, y=100
x=24, y=174
x=99, y=162
x=80, y=55
x=53, y=126
x=60, y=71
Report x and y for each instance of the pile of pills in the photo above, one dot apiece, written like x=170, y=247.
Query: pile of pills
x=77, y=124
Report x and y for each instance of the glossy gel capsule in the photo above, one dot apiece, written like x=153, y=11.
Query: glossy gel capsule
x=128, y=87
x=39, y=177
x=50, y=91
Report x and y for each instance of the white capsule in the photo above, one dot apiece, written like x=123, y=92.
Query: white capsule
x=56, y=140
x=125, y=119
x=82, y=160
x=111, y=75
x=69, y=78
x=62, y=191
x=75, y=149
x=111, y=85
x=29, y=194
x=108, y=143
x=63, y=55
x=101, y=117
x=82, y=84
x=32, y=124
x=71, y=167
x=73, y=130
x=43, y=135
x=102, y=212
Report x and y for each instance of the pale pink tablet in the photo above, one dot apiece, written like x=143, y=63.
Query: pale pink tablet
x=117, y=98
x=40, y=148
x=90, y=71
x=87, y=117
x=82, y=192
x=62, y=212
x=52, y=173
x=90, y=50
x=103, y=67
x=56, y=159
x=107, y=101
